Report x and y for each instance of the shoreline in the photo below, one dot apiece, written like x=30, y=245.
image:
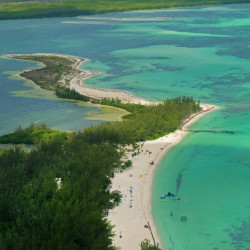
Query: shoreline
x=134, y=212
x=99, y=93
x=77, y=81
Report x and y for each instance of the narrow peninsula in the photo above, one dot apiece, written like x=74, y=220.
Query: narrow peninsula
x=62, y=74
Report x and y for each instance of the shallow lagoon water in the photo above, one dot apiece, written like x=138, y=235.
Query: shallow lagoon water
x=23, y=102
x=202, y=52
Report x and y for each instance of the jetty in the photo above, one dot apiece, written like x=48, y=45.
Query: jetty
x=209, y=130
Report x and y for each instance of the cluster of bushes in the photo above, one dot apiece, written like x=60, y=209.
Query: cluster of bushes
x=33, y=134
x=146, y=245
x=67, y=93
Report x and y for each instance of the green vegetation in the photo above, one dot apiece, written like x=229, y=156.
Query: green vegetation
x=58, y=69
x=67, y=93
x=146, y=245
x=38, y=213
x=130, y=107
x=56, y=196
x=150, y=122
x=14, y=9
x=33, y=134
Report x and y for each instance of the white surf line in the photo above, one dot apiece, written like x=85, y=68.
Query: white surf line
x=139, y=199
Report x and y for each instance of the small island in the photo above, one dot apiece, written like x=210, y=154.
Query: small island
x=66, y=191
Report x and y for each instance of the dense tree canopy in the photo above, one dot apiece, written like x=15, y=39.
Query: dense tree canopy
x=56, y=196
x=36, y=212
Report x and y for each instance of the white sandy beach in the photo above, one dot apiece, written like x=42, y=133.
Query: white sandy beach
x=135, y=184
x=77, y=84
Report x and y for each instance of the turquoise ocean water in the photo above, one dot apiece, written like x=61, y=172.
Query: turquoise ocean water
x=202, y=52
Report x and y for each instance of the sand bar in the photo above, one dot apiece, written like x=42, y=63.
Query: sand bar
x=135, y=184
x=96, y=93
